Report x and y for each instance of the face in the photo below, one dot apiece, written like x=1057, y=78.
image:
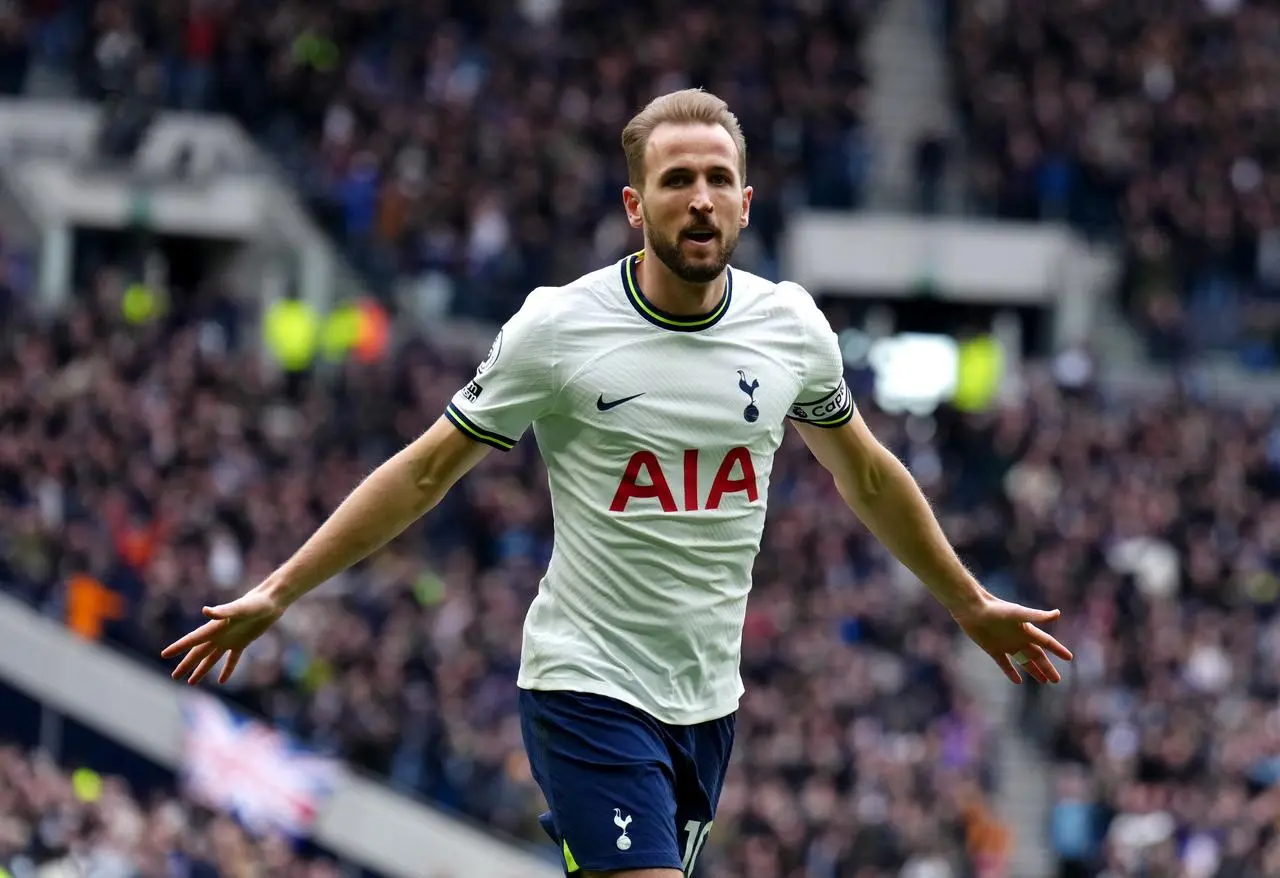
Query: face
x=693, y=204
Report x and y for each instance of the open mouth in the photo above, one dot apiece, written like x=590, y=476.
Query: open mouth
x=700, y=236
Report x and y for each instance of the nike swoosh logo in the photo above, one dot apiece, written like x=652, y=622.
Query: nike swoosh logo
x=613, y=404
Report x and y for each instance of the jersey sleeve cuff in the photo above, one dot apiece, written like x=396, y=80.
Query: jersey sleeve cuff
x=833, y=410
x=474, y=431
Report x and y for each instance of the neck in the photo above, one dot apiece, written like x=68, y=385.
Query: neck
x=673, y=295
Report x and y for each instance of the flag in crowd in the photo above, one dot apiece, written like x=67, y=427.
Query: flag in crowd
x=259, y=774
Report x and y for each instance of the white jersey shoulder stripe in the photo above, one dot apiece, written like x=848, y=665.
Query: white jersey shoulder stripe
x=476, y=432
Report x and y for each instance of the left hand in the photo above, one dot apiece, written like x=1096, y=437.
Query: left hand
x=1007, y=632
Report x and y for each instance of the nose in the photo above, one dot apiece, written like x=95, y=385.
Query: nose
x=700, y=200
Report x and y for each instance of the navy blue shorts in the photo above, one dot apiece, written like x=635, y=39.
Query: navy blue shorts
x=626, y=791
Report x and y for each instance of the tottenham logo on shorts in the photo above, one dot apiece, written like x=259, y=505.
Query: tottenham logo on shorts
x=492, y=357
x=624, y=840
x=750, y=414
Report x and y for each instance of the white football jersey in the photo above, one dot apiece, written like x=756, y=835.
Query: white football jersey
x=658, y=433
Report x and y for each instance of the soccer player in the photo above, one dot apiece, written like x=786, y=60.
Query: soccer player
x=657, y=389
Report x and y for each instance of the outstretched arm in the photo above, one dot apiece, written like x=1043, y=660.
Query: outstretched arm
x=394, y=496
x=381, y=507
x=514, y=386
x=883, y=494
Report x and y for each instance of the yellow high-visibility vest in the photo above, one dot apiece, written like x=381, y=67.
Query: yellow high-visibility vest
x=979, y=373
x=87, y=784
x=140, y=304
x=340, y=333
x=292, y=332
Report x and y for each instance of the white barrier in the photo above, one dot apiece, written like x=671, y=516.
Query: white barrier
x=364, y=821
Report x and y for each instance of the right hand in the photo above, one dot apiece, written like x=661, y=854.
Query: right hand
x=231, y=628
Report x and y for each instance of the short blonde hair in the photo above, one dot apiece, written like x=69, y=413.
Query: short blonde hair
x=690, y=106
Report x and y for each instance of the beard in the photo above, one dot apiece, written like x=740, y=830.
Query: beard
x=701, y=272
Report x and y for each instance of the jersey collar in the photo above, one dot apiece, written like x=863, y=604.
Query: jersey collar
x=663, y=319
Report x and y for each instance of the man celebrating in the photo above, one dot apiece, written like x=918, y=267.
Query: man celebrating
x=658, y=390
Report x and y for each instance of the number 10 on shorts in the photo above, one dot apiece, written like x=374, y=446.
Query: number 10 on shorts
x=697, y=833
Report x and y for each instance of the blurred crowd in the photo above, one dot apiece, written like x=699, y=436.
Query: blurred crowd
x=1157, y=121
x=60, y=824
x=148, y=470
x=479, y=141
x=1159, y=527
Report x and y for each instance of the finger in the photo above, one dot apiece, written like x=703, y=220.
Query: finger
x=1006, y=665
x=222, y=611
x=1049, y=642
x=1025, y=661
x=1049, y=671
x=192, y=658
x=229, y=668
x=197, y=637
x=1030, y=614
x=1040, y=666
x=209, y=663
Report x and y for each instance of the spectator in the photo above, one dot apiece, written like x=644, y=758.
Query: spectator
x=930, y=172
x=15, y=52
x=1075, y=829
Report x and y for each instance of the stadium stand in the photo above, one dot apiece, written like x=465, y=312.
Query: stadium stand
x=149, y=468
x=479, y=140
x=64, y=824
x=1154, y=122
x=1167, y=741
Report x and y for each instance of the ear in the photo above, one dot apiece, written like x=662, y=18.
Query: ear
x=745, y=218
x=634, y=204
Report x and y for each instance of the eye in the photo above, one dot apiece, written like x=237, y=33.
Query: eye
x=720, y=179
